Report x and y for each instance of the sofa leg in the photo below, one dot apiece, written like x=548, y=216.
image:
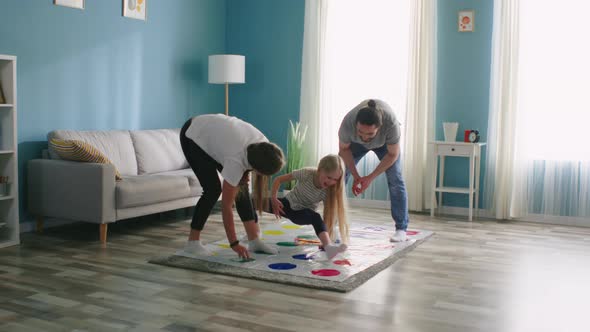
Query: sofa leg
x=103, y=233
x=39, y=224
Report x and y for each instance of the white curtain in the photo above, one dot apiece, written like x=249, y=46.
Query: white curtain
x=313, y=79
x=500, y=181
x=539, y=110
x=419, y=128
x=357, y=50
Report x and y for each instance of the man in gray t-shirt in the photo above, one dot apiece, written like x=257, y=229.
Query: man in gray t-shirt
x=372, y=126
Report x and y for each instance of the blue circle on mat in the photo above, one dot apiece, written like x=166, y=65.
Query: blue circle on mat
x=282, y=266
x=302, y=257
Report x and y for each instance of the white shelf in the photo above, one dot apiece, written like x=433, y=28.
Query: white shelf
x=456, y=190
x=9, y=210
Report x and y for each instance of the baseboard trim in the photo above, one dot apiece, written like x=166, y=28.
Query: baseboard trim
x=482, y=213
x=369, y=203
x=534, y=218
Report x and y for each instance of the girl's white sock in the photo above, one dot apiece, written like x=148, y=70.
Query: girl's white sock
x=334, y=249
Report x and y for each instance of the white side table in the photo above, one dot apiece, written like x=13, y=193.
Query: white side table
x=457, y=149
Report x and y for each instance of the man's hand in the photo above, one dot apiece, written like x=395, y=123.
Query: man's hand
x=365, y=182
x=356, y=186
x=277, y=207
x=241, y=251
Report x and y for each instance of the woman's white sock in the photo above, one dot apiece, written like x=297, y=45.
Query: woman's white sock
x=257, y=245
x=196, y=248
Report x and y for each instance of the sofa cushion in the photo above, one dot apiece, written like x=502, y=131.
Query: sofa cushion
x=80, y=151
x=149, y=189
x=195, y=185
x=158, y=150
x=114, y=144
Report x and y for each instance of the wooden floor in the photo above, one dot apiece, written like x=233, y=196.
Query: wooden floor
x=479, y=276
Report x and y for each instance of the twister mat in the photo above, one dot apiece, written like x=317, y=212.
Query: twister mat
x=300, y=262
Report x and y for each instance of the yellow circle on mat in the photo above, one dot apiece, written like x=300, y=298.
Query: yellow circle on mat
x=273, y=232
x=226, y=246
x=291, y=227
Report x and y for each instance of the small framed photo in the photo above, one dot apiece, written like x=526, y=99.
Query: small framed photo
x=135, y=9
x=79, y=4
x=466, y=23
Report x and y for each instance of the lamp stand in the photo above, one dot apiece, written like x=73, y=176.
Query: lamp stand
x=226, y=99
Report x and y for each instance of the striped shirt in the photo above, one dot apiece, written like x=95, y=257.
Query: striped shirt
x=305, y=195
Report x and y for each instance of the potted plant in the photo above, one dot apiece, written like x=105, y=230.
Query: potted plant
x=295, y=149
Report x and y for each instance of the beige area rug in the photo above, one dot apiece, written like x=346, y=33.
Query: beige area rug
x=300, y=262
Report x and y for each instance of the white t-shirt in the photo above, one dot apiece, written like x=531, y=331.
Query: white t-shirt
x=225, y=139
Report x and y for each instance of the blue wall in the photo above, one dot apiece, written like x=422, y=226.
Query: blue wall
x=463, y=83
x=270, y=34
x=94, y=69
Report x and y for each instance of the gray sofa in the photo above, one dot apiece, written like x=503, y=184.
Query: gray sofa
x=156, y=178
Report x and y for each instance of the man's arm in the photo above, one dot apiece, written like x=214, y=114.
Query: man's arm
x=345, y=153
x=389, y=159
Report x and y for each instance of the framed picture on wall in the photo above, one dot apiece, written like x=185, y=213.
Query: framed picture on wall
x=70, y=3
x=466, y=23
x=135, y=9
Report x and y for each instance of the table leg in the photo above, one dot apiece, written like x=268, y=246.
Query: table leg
x=471, y=184
x=433, y=194
x=477, y=170
x=441, y=179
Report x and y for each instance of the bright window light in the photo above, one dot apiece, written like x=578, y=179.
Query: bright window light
x=367, y=45
x=554, y=80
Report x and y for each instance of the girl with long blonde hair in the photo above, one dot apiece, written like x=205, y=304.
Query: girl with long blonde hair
x=324, y=183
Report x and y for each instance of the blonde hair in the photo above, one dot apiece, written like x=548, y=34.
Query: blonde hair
x=335, y=204
x=259, y=191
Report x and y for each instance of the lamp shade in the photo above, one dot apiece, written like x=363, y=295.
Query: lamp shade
x=227, y=68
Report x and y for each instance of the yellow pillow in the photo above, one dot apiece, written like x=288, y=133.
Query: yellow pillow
x=80, y=151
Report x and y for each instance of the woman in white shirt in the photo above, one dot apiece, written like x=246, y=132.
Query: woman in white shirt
x=215, y=142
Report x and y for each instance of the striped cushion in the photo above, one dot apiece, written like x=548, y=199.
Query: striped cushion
x=75, y=150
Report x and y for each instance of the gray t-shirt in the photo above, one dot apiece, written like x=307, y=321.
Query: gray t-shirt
x=389, y=133
x=305, y=195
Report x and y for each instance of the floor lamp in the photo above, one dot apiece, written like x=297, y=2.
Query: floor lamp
x=227, y=69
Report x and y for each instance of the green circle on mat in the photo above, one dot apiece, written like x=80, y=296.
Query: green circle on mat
x=287, y=244
x=272, y=232
x=242, y=260
x=307, y=237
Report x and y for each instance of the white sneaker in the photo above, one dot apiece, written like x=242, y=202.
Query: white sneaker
x=399, y=236
x=196, y=248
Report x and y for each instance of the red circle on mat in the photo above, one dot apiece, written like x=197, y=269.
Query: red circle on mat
x=412, y=232
x=325, y=272
x=342, y=262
